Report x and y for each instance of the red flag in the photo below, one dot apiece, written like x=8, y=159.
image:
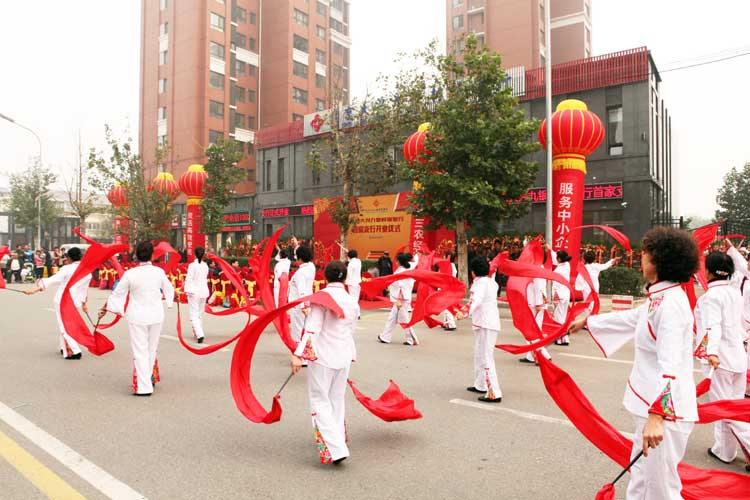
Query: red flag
x=391, y=406
x=619, y=237
x=606, y=493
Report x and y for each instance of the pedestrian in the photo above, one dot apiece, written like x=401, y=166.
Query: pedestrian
x=385, y=266
x=5, y=266
x=28, y=255
x=301, y=285
x=196, y=288
x=660, y=393
x=721, y=347
x=47, y=261
x=69, y=348
x=594, y=270
x=561, y=293
x=485, y=323
x=400, y=294
x=329, y=348
x=353, y=274
x=283, y=264
x=145, y=284
x=15, y=267
x=38, y=265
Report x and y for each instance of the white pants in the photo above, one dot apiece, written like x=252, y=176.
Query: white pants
x=397, y=315
x=655, y=477
x=539, y=317
x=729, y=433
x=559, y=314
x=747, y=390
x=449, y=320
x=297, y=323
x=144, y=341
x=354, y=291
x=68, y=346
x=327, y=390
x=276, y=287
x=197, y=306
x=485, y=375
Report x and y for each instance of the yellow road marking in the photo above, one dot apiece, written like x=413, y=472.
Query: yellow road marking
x=40, y=476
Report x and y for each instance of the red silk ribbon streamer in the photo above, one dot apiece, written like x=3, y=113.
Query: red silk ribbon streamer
x=619, y=237
x=736, y=236
x=160, y=250
x=391, y=406
x=4, y=250
x=704, y=236
x=115, y=263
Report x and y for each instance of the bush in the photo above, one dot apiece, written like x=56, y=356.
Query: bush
x=621, y=280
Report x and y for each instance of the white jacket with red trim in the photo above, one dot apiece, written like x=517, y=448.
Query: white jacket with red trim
x=483, y=304
x=662, y=377
x=718, y=316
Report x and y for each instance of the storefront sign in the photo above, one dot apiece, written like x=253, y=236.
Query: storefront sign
x=293, y=211
x=237, y=221
x=608, y=191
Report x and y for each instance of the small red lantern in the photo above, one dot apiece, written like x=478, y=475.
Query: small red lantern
x=193, y=181
x=164, y=183
x=414, y=149
x=117, y=196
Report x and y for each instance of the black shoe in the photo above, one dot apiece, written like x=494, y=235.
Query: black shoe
x=60, y=352
x=526, y=360
x=74, y=356
x=338, y=461
x=485, y=399
x=747, y=468
x=382, y=341
x=712, y=454
x=200, y=340
x=142, y=395
x=449, y=329
x=474, y=389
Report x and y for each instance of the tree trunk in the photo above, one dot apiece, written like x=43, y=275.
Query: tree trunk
x=82, y=225
x=344, y=244
x=462, y=259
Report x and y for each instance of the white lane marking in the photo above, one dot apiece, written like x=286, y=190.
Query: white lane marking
x=523, y=414
x=48, y=309
x=88, y=471
x=610, y=360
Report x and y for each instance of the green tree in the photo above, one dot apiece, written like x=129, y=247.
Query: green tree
x=149, y=211
x=479, y=139
x=733, y=197
x=82, y=201
x=28, y=192
x=223, y=173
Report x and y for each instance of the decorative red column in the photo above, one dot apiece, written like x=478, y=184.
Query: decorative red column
x=192, y=183
x=118, y=197
x=576, y=133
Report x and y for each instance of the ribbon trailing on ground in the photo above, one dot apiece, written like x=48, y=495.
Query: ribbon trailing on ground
x=391, y=406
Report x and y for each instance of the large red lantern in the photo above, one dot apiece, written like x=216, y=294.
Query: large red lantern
x=192, y=183
x=414, y=149
x=576, y=133
x=118, y=197
x=165, y=184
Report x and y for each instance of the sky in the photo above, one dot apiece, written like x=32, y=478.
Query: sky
x=78, y=68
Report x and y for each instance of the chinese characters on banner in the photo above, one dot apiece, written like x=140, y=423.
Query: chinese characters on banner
x=417, y=234
x=608, y=191
x=567, y=208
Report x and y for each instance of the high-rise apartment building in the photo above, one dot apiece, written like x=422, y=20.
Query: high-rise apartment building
x=515, y=29
x=225, y=68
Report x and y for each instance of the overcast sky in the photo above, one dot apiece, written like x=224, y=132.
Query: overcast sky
x=70, y=66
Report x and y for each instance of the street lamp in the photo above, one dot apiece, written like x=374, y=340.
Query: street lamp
x=38, y=198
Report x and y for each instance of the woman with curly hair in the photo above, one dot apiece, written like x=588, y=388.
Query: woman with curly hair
x=660, y=393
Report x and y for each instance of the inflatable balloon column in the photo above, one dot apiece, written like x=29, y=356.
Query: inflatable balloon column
x=118, y=197
x=576, y=133
x=414, y=150
x=165, y=184
x=192, y=183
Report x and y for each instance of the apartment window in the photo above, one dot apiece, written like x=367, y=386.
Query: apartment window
x=161, y=141
x=320, y=104
x=316, y=177
x=300, y=43
x=162, y=113
x=216, y=109
x=320, y=56
x=214, y=136
x=239, y=14
x=457, y=3
x=320, y=81
x=614, y=130
x=251, y=43
x=162, y=85
x=239, y=67
x=300, y=17
x=217, y=22
x=217, y=50
x=250, y=151
x=299, y=96
x=162, y=57
x=251, y=95
x=253, y=18
x=251, y=70
x=320, y=31
x=336, y=72
x=300, y=69
x=280, y=174
x=337, y=4
x=458, y=22
x=337, y=25
x=267, y=179
x=162, y=4
x=238, y=39
x=216, y=80
x=320, y=8
x=163, y=28
x=459, y=46
x=296, y=117
x=251, y=122
x=239, y=120
x=338, y=49
x=237, y=94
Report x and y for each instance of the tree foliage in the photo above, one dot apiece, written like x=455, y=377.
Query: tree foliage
x=733, y=197
x=223, y=173
x=25, y=189
x=148, y=210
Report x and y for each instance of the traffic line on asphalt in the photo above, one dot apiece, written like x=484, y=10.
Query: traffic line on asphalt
x=599, y=358
x=523, y=414
x=86, y=470
x=35, y=472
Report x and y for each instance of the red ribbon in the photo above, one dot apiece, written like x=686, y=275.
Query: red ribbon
x=391, y=406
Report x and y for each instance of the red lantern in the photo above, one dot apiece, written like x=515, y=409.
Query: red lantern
x=576, y=133
x=414, y=149
x=192, y=183
x=164, y=183
x=117, y=196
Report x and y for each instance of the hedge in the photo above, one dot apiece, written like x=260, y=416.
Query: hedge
x=621, y=280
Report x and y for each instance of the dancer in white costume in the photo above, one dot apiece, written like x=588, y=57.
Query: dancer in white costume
x=400, y=294
x=353, y=274
x=196, y=288
x=283, y=264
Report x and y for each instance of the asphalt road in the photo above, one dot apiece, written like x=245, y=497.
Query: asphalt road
x=78, y=423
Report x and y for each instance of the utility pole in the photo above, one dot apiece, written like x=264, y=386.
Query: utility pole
x=548, y=103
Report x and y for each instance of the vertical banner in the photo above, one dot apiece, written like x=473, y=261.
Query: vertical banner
x=120, y=230
x=567, y=209
x=194, y=236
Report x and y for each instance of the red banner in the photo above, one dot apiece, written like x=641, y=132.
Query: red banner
x=567, y=210
x=193, y=236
